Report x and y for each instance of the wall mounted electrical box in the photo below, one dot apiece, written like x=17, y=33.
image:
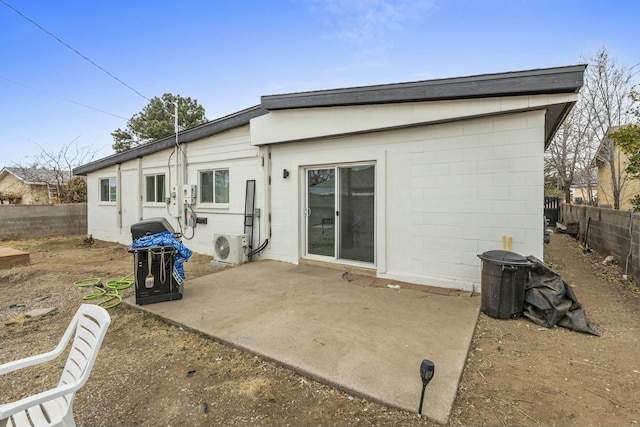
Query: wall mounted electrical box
x=189, y=194
x=174, y=209
x=192, y=219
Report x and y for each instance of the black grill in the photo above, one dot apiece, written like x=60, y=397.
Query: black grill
x=150, y=226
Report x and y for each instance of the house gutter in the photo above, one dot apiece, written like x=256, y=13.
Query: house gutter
x=268, y=195
x=140, y=187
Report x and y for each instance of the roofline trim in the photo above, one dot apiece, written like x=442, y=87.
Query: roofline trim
x=568, y=79
x=213, y=127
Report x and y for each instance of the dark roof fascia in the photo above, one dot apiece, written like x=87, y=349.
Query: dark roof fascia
x=238, y=119
x=556, y=114
x=568, y=79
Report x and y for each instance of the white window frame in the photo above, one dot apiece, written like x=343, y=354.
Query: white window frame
x=155, y=189
x=113, y=190
x=213, y=203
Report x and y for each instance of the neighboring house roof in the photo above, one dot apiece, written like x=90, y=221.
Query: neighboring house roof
x=556, y=80
x=30, y=176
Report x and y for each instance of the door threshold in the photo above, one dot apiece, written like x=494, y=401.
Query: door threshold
x=353, y=269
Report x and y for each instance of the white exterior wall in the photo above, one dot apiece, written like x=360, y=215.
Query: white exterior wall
x=444, y=194
x=228, y=150
x=452, y=178
x=320, y=122
x=101, y=216
x=231, y=150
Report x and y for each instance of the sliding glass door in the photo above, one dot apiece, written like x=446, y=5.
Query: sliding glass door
x=321, y=211
x=340, y=212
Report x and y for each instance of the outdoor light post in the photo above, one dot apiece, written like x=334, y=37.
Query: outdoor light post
x=174, y=193
x=427, y=369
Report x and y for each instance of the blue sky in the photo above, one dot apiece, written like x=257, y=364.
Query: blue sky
x=226, y=54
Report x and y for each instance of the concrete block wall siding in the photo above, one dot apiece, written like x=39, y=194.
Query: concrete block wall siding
x=35, y=221
x=230, y=150
x=608, y=233
x=444, y=194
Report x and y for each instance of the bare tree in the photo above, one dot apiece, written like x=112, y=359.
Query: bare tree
x=580, y=144
x=55, y=171
x=607, y=97
x=565, y=159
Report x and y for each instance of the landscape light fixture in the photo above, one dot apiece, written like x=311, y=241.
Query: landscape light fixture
x=427, y=369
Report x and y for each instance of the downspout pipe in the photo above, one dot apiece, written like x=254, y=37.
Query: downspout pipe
x=119, y=196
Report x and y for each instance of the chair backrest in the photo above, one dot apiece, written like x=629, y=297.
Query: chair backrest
x=90, y=324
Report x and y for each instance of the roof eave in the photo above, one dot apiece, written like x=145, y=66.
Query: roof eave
x=567, y=79
x=557, y=80
x=213, y=127
x=555, y=116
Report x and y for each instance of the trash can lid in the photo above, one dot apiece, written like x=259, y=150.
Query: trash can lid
x=505, y=258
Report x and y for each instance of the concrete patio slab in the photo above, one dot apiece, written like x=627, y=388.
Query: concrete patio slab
x=369, y=341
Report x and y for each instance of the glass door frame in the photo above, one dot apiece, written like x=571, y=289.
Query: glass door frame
x=323, y=227
x=337, y=208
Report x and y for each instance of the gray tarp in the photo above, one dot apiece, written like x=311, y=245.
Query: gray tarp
x=550, y=301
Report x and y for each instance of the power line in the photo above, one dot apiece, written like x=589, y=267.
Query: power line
x=71, y=48
x=61, y=97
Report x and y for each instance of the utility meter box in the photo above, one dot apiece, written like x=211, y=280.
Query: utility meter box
x=189, y=194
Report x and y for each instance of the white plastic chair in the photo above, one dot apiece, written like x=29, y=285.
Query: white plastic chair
x=55, y=407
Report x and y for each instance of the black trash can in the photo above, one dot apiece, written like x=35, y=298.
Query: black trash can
x=503, y=280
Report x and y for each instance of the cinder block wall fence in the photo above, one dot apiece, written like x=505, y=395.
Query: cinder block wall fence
x=610, y=232
x=34, y=221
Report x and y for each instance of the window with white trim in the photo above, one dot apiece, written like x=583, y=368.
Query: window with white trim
x=214, y=186
x=108, y=190
x=154, y=188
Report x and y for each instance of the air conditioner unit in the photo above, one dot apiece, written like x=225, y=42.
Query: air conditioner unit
x=230, y=248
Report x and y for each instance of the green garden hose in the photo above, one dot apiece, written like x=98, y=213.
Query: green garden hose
x=101, y=291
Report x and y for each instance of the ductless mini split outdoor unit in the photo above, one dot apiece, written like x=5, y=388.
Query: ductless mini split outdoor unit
x=230, y=248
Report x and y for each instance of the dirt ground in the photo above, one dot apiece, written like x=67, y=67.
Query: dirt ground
x=150, y=373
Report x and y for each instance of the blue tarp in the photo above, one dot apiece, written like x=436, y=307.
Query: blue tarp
x=166, y=238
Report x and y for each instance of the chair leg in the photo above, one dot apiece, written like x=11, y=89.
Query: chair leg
x=67, y=420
